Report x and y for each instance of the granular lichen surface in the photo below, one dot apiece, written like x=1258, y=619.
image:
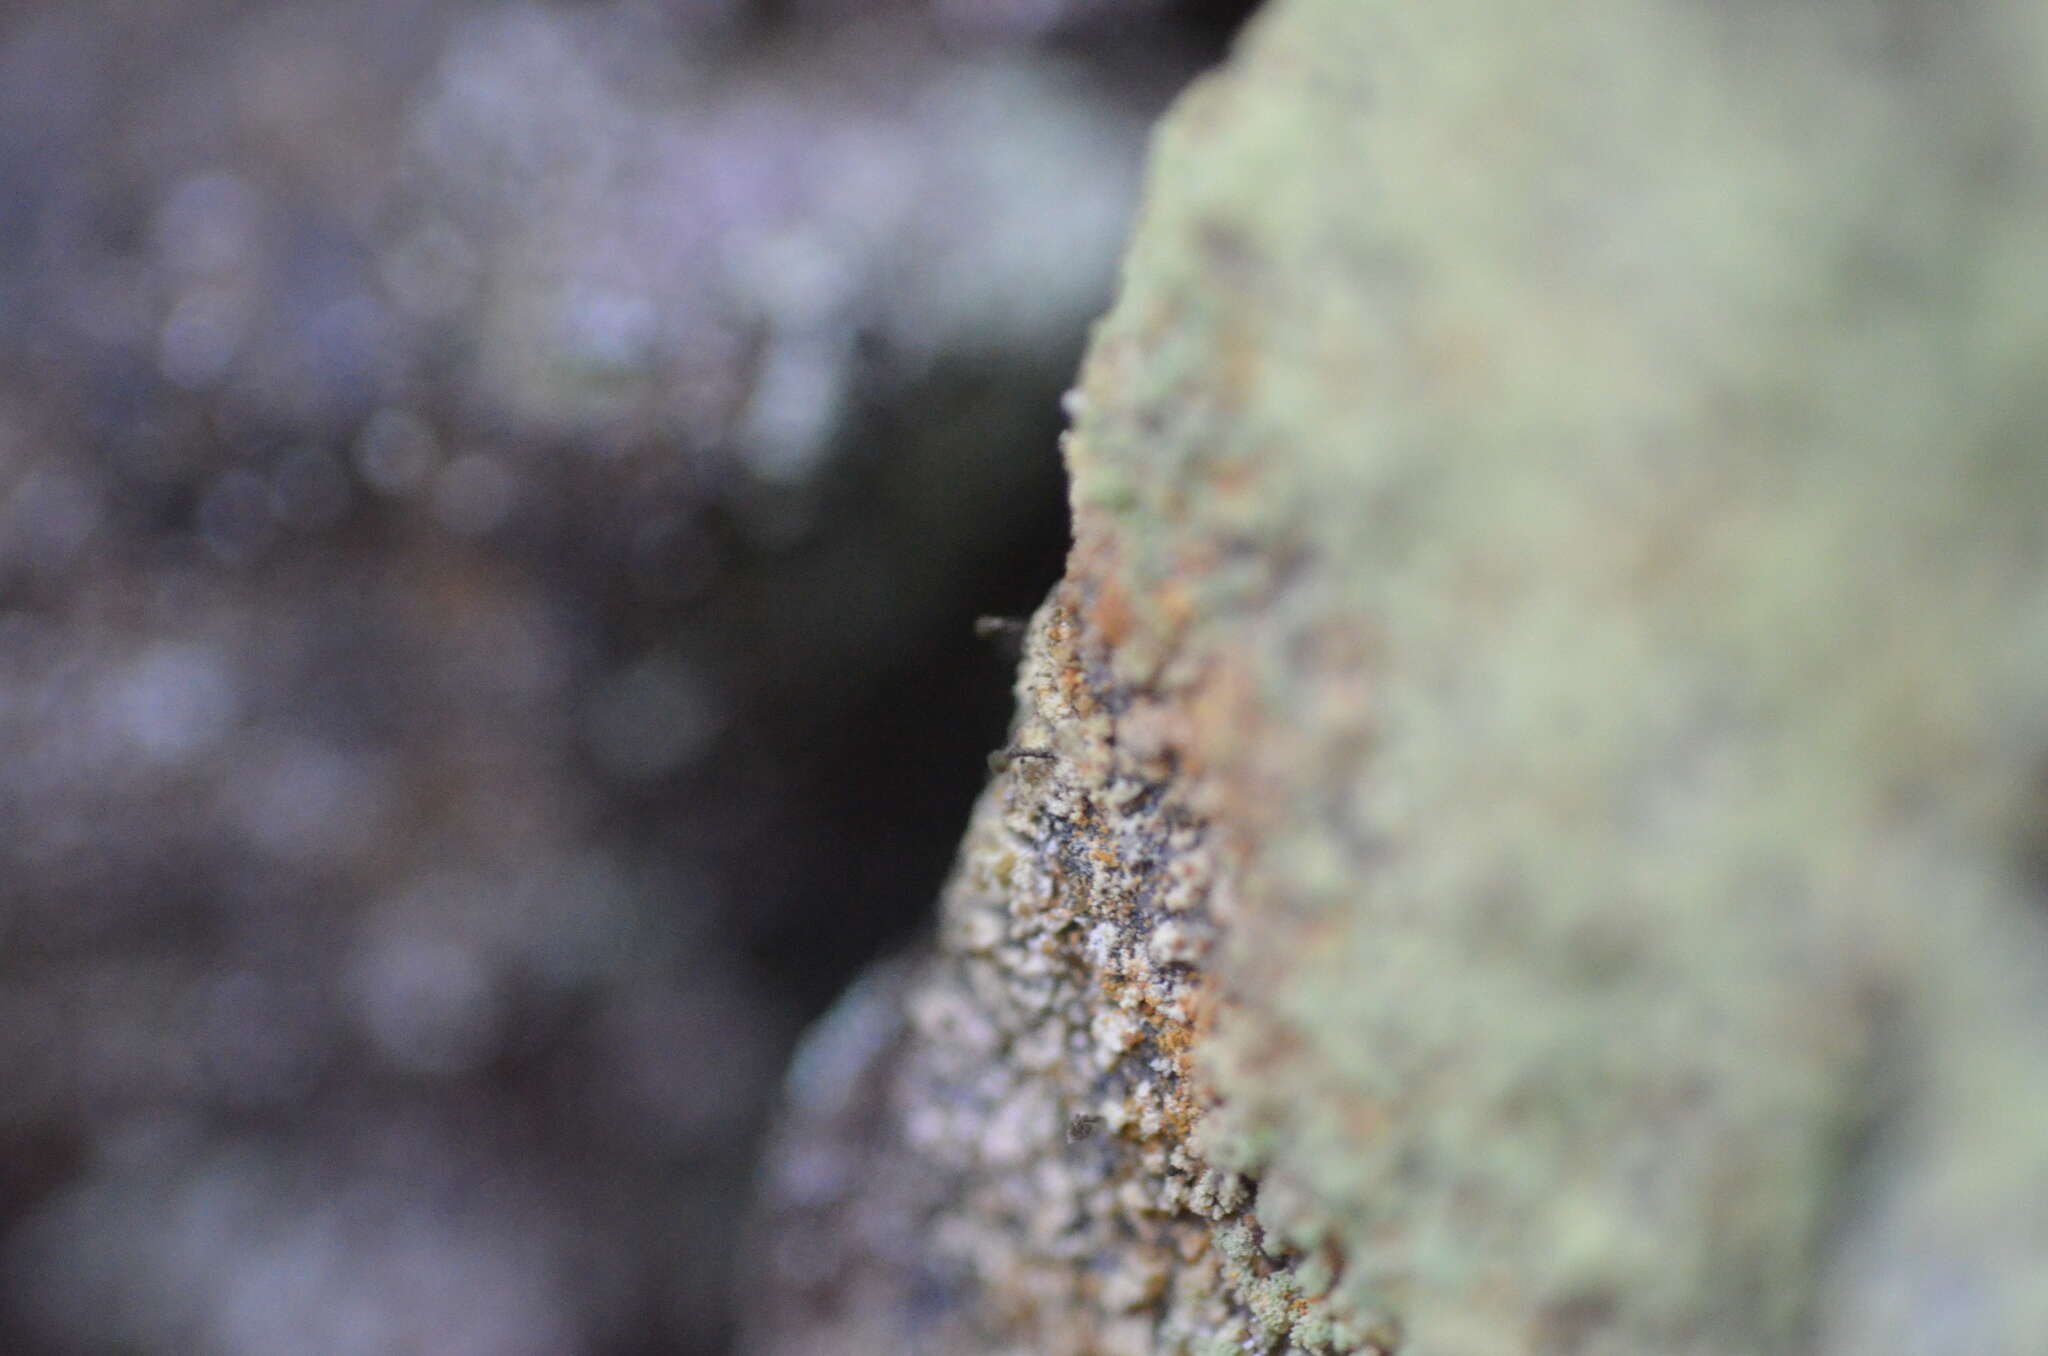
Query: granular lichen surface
x=1034, y=1179
x=1523, y=830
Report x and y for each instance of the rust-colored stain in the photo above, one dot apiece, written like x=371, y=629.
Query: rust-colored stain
x=1109, y=613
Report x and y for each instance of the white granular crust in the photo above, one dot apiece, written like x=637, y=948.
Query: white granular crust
x=990, y=1150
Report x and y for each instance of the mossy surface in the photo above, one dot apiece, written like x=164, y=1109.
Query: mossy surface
x=1587, y=469
x=1526, y=831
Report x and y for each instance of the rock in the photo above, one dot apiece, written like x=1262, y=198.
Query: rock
x=1541, y=847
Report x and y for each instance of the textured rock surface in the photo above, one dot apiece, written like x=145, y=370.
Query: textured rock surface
x=1525, y=830
x=1002, y=1135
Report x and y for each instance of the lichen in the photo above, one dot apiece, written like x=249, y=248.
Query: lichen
x=1537, y=754
x=1592, y=467
x=1039, y=1092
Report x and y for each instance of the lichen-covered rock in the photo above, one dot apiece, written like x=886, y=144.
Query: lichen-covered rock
x=1525, y=832
x=991, y=1151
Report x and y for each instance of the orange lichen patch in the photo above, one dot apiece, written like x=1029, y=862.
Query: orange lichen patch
x=1222, y=714
x=1182, y=1115
x=1109, y=613
x=1174, y=1039
x=1184, y=1111
x=1201, y=1008
x=1073, y=688
x=1184, y=1103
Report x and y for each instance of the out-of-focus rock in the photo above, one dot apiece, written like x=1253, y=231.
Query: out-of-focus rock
x=479, y=485
x=1523, y=832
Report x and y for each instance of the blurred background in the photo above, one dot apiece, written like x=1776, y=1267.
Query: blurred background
x=494, y=499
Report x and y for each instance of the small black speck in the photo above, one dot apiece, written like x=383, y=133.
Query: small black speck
x=1080, y=1127
x=1000, y=760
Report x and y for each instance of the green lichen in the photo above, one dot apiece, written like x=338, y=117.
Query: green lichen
x=1535, y=829
x=1607, y=443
